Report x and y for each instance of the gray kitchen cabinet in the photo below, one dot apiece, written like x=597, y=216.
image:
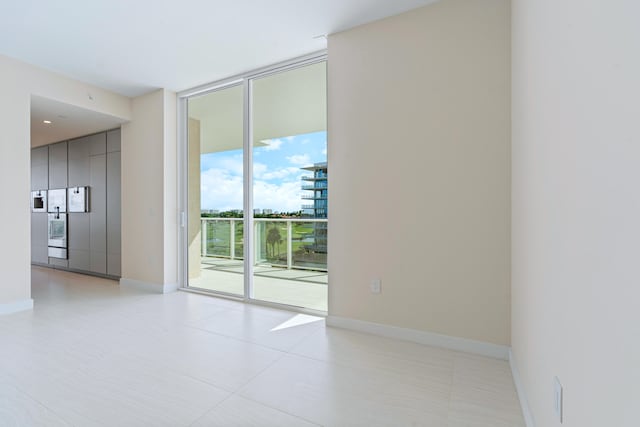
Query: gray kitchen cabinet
x=98, y=213
x=39, y=181
x=113, y=140
x=78, y=162
x=79, y=165
x=58, y=262
x=39, y=240
x=114, y=238
x=58, y=165
x=40, y=168
x=94, y=237
x=79, y=241
x=87, y=231
x=97, y=144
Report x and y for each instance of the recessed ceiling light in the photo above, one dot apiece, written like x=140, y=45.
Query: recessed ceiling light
x=48, y=122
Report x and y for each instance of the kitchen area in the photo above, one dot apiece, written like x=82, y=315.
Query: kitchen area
x=75, y=193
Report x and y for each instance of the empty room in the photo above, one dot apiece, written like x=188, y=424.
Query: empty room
x=320, y=213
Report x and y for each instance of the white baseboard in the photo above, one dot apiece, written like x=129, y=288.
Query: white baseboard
x=421, y=337
x=16, y=306
x=524, y=403
x=156, y=288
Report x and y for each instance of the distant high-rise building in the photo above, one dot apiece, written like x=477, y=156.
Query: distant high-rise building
x=316, y=184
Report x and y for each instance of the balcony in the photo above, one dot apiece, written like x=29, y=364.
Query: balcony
x=316, y=186
x=318, y=177
x=290, y=259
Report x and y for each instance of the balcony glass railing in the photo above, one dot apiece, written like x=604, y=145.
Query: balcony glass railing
x=290, y=243
x=316, y=186
x=313, y=197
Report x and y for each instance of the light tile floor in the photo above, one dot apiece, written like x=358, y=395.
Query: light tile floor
x=93, y=354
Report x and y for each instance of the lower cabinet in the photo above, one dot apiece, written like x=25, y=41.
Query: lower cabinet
x=79, y=238
x=98, y=213
x=39, y=238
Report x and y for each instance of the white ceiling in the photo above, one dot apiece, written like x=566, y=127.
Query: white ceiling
x=67, y=121
x=132, y=47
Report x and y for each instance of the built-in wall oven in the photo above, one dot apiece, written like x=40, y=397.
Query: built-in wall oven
x=57, y=223
x=39, y=201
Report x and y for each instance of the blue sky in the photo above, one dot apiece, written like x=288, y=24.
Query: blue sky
x=276, y=173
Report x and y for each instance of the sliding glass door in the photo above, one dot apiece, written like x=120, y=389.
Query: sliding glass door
x=290, y=186
x=257, y=186
x=215, y=191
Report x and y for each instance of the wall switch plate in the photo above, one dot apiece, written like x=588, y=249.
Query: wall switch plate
x=376, y=286
x=557, y=398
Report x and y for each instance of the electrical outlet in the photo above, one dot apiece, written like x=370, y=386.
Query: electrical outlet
x=557, y=398
x=376, y=286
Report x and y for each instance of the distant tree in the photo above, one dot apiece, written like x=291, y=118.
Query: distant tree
x=273, y=238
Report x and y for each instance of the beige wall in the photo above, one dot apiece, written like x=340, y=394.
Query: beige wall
x=576, y=208
x=15, y=175
x=419, y=110
x=18, y=81
x=149, y=202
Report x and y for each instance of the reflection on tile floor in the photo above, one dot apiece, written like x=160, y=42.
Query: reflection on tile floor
x=94, y=354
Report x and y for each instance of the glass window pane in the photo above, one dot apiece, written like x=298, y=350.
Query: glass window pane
x=290, y=190
x=215, y=228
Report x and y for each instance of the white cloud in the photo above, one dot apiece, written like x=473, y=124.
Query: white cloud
x=259, y=169
x=272, y=144
x=231, y=164
x=220, y=190
x=284, y=197
x=280, y=173
x=300, y=159
x=324, y=151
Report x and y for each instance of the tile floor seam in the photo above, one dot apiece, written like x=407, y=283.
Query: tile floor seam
x=66, y=421
x=273, y=362
x=209, y=410
x=452, y=380
x=240, y=339
x=281, y=411
x=241, y=387
x=202, y=381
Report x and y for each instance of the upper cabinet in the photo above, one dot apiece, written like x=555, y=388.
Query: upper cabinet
x=113, y=141
x=79, y=162
x=40, y=168
x=58, y=165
